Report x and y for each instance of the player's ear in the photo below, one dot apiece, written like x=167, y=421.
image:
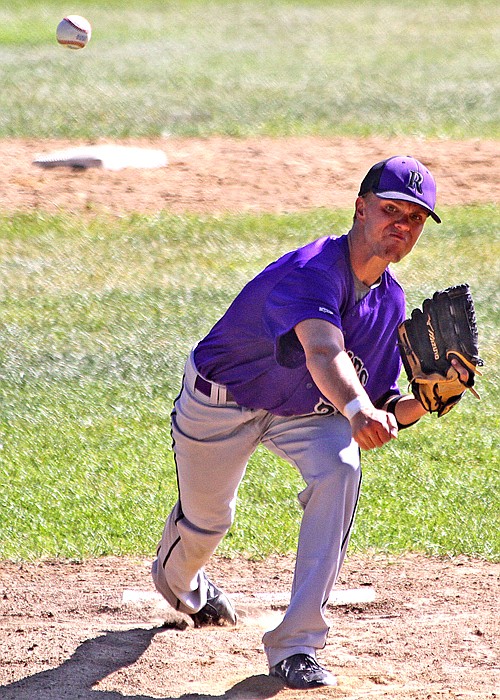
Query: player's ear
x=360, y=207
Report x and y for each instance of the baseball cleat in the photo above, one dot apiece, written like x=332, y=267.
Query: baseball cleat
x=302, y=672
x=217, y=610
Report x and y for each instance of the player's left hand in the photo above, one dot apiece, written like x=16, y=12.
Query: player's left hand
x=463, y=372
x=433, y=340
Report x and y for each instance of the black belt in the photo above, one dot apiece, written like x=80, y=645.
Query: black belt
x=205, y=387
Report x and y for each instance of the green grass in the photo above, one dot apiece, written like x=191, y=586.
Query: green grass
x=247, y=67
x=97, y=318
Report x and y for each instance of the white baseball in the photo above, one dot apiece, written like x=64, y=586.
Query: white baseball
x=74, y=32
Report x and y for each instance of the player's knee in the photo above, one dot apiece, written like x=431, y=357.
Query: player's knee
x=340, y=474
x=215, y=522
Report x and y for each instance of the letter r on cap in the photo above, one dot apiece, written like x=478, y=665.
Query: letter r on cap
x=415, y=182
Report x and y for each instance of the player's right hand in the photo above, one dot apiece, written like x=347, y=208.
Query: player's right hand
x=372, y=428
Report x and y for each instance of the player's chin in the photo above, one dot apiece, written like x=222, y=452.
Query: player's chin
x=392, y=257
x=396, y=251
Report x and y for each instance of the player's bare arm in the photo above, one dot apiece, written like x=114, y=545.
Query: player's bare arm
x=407, y=409
x=336, y=378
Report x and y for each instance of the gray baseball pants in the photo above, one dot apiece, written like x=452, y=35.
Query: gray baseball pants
x=213, y=440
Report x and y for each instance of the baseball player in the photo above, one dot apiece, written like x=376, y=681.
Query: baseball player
x=305, y=361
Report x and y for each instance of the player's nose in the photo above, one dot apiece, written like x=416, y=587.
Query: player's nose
x=403, y=222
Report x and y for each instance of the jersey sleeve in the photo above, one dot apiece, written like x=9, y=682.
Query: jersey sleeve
x=303, y=294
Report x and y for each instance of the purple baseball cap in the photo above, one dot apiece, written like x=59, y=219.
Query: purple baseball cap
x=402, y=177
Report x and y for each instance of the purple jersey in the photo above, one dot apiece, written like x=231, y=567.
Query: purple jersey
x=254, y=351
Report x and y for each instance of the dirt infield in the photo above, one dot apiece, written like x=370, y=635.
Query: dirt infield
x=221, y=174
x=433, y=630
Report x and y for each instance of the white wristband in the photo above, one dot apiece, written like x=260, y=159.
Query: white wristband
x=355, y=406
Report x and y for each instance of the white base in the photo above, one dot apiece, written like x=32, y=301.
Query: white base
x=108, y=156
x=348, y=596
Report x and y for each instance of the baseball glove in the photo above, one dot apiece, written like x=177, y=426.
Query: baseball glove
x=444, y=329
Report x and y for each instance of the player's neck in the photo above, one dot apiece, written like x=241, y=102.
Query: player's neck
x=367, y=267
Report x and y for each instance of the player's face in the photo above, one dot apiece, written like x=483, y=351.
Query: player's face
x=391, y=227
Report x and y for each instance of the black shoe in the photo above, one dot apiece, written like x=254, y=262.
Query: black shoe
x=217, y=610
x=302, y=672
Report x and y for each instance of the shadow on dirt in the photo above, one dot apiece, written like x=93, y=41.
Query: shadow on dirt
x=97, y=658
